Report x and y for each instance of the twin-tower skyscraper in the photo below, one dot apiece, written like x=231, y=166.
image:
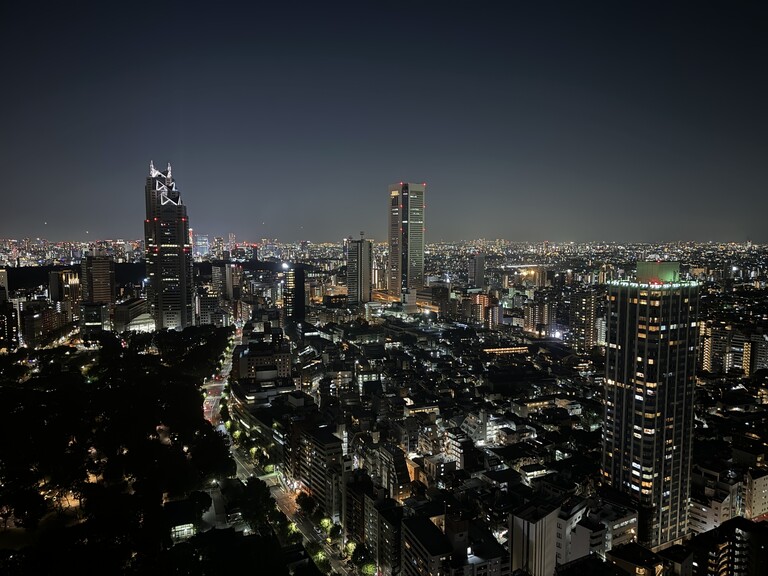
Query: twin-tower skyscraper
x=168, y=253
x=405, y=270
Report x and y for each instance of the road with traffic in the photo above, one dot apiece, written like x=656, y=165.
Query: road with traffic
x=285, y=498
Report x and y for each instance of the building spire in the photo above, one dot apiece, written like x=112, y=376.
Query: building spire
x=151, y=168
x=169, y=171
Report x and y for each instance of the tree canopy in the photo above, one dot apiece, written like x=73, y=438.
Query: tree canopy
x=98, y=440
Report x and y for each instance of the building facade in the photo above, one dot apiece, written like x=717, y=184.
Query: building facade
x=359, y=271
x=476, y=271
x=426, y=551
x=406, y=238
x=168, y=253
x=97, y=278
x=584, y=320
x=294, y=293
x=533, y=531
x=64, y=290
x=649, y=387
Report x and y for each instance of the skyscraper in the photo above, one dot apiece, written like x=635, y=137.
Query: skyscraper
x=64, y=290
x=201, y=247
x=359, y=270
x=294, y=293
x=406, y=238
x=650, y=368
x=97, y=278
x=168, y=253
x=583, y=320
x=476, y=270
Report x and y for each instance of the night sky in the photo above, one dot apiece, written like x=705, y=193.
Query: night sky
x=560, y=121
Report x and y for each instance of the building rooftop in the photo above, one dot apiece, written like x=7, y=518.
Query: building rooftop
x=634, y=553
x=429, y=535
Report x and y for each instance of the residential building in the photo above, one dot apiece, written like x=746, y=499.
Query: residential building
x=649, y=386
x=359, y=271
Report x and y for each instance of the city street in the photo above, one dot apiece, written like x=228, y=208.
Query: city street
x=284, y=498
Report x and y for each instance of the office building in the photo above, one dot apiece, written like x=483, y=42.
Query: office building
x=201, y=245
x=64, y=292
x=94, y=318
x=38, y=322
x=97, y=278
x=359, y=271
x=225, y=280
x=649, y=387
x=168, y=253
x=9, y=326
x=294, y=293
x=128, y=311
x=406, y=238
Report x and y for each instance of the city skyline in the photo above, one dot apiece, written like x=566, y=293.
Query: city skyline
x=554, y=119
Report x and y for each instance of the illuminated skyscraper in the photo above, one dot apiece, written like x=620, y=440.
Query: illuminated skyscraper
x=201, y=247
x=64, y=290
x=583, y=320
x=9, y=327
x=406, y=238
x=650, y=378
x=294, y=293
x=97, y=278
x=359, y=270
x=168, y=253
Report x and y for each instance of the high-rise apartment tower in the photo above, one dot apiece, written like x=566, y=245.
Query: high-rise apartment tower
x=583, y=320
x=476, y=270
x=649, y=387
x=406, y=238
x=359, y=271
x=168, y=253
